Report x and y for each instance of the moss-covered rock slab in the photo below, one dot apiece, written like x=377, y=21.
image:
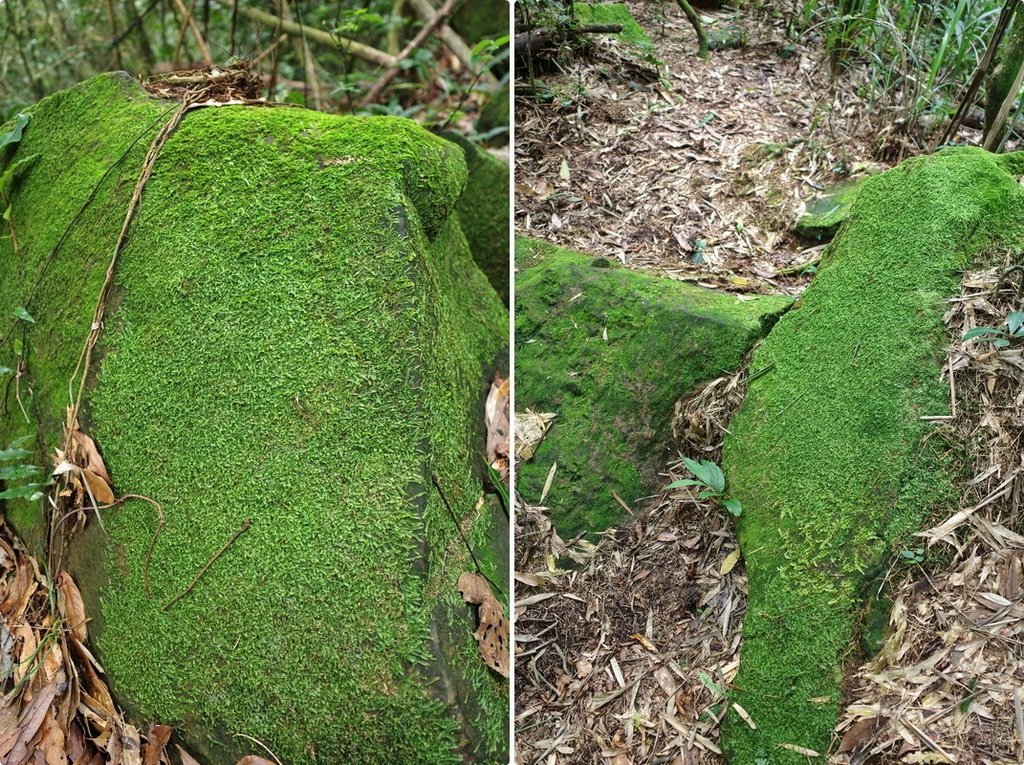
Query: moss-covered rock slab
x=825, y=213
x=829, y=453
x=297, y=338
x=610, y=351
x=615, y=13
x=483, y=213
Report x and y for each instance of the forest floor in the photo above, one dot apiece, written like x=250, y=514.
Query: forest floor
x=697, y=171
x=695, y=168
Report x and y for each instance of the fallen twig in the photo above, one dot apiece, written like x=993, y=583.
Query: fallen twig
x=245, y=527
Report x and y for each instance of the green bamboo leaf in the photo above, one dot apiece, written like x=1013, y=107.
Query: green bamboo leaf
x=17, y=472
x=14, y=453
x=14, y=134
x=977, y=332
x=21, y=313
x=32, y=492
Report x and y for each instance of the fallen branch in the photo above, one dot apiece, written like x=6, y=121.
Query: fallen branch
x=365, y=52
x=536, y=41
x=385, y=79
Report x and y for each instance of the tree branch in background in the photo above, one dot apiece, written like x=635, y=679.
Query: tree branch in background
x=365, y=52
x=395, y=30
x=438, y=18
x=698, y=27
x=136, y=19
x=454, y=43
x=135, y=22
x=1003, y=86
x=204, y=50
x=118, y=63
x=963, y=113
x=305, y=55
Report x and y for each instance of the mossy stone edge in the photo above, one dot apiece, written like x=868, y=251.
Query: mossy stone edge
x=297, y=336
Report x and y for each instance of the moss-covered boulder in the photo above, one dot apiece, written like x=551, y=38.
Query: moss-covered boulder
x=610, y=351
x=826, y=212
x=483, y=212
x=297, y=338
x=828, y=453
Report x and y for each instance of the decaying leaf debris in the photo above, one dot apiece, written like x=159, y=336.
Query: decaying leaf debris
x=492, y=630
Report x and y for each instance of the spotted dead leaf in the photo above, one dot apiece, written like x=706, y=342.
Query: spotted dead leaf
x=492, y=630
x=71, y=606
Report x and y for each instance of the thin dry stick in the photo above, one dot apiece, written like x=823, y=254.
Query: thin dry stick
x=428, y=29
x=204, y=569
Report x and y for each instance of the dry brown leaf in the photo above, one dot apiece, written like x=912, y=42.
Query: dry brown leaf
x=71, y=606
x=16, y=746
x=51, y=741
x=496, y=420
x=98, y=487
x=492, y=630
x=87, y=455
x=157, y=739
x=94, y=691
x=254, y=759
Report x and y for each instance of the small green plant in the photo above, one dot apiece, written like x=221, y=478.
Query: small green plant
x=20, y=470
x=1010, y=330
x=710, y=476
x=912, y=555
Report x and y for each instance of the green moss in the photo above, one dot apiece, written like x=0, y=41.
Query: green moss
x=615, y=13
x=483, y=213
x=828, y=452
x=614, y=397
x=298, y=336
x=826, y=213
